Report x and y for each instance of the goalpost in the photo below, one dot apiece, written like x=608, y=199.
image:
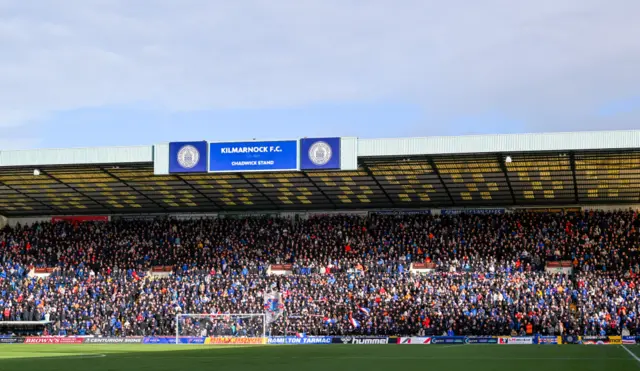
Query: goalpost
x=236, y=328
x=243, y=328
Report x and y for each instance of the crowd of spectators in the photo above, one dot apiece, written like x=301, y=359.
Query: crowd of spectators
x=489, y=274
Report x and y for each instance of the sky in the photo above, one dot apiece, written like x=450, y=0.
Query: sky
x=76, y=73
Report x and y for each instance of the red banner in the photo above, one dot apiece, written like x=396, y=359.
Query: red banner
x=424, y=265
x=43, y=270
x=79, y=219
x=53, y=340
x=162, y=268
x=281, y=267
x=560, y=264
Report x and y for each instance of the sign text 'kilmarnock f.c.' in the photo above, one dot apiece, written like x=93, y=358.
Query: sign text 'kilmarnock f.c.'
x=253, y=156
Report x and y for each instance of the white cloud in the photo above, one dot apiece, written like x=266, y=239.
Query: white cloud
x=549, y=62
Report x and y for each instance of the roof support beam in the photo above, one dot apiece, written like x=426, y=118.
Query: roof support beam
x=198, y=191
x=444, y=186
x=384, y=191
x=503, y=167
x=133, y=188
x=259, y=191
x=56, y=210
x=43, y=172
x=319, y=189
x=572, y=161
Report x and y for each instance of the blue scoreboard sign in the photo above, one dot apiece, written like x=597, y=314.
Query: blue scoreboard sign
x=320, y=153
x=253, y=156
x=187, y=157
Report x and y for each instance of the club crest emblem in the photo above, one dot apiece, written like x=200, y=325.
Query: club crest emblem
x=188, y=156
x=320, y=153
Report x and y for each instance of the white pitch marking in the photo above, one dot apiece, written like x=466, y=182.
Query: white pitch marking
x=71, y=356
x=631, y=353
x=396, y=358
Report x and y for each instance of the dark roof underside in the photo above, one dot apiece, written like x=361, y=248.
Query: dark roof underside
x=483, y=180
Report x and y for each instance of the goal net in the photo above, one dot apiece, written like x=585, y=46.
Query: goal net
x=221, y=328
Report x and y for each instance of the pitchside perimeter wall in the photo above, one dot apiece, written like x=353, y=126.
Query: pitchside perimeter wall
x=319, y=340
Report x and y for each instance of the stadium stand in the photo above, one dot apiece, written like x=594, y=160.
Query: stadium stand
x=486, y=271
x=489, y=278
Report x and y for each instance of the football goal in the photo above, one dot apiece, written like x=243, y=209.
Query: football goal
x=221, y=328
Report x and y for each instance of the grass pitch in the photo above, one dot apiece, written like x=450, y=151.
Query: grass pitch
x=138, y=357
